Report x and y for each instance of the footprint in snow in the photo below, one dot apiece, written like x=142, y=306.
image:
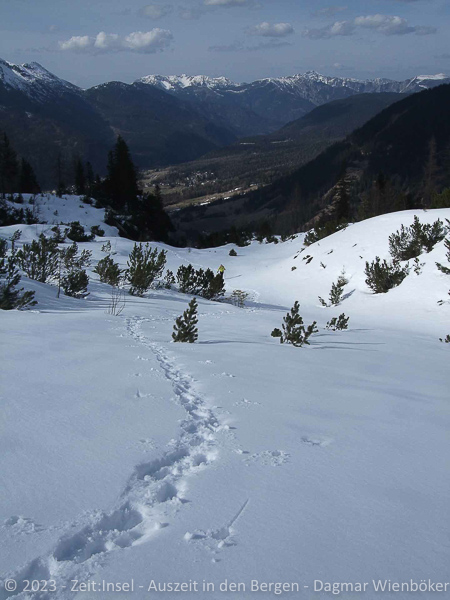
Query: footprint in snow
x=316, y=441
x=216, y=540
x=273, y=458
x=224, y=375
x=22, y=525
x=246, y=403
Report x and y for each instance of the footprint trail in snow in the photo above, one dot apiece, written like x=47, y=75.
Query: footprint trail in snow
x=153, y=495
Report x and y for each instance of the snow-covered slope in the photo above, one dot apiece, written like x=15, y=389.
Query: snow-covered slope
x=52, y=210
x=175, y=82
x=33, y=80
x=127, y=457
x=309, y=86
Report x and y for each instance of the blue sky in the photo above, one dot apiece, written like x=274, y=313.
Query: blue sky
x=92, y=41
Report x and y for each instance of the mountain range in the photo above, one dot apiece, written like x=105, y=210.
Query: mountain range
x=267, y=104
x=406, y=145
x=165, y=120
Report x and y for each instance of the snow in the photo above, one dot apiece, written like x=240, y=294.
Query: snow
x=174, y=82
x=52, y=210
x=32, y=79
x=127, y=457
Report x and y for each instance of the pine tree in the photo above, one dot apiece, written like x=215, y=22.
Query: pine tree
x=185, y=328
x=90, y=179
x=27, y=179
x=336, y=292
x=121, y=183
x=431, y=174
x=338, y=323
x=342, y=197
x=80, y=178
x=9, y=167
x=39, y=259
x=294, y=330
x=10, y=297
x=383, y=276
x=60, y=175
x=144, y=266
x=72, y=276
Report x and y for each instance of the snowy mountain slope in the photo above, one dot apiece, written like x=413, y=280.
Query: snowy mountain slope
x=128, y=457
x=33, y=80
x=280, y=99
x=303, y=84
x=52, y=210
x=174, y=82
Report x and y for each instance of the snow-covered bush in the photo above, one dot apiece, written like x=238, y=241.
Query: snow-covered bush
x=294, y=331
x=144, y=266
x=200, y=282
x=76, y=233
x=169, y=279
x=336, y=292
x=411, y=241
x=10, y=297
x=443, y=268
x=39, y=259
x=108, y=271
x=97, y=230
x=322, y=231
x=72, y=276
x=338, y=323
x=238, y=298
x=58, y=235
x=185, y=328
x=383, y=276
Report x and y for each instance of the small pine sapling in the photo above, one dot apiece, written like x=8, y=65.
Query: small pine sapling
x=169, y=279
x=108, y=271
x=417, y=266
x=76, y=233
x=336, y=292
x=338, y=323
x=185, y=328
x=294, y=331
x=232, y=252
x=443, y=268
x=446, y=339
x=39, y=260
x=238, y=298
x=10, y=297
x=72, y=276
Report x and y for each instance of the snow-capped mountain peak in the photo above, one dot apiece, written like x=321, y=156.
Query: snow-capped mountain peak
x=177, y=82
x=32, y=79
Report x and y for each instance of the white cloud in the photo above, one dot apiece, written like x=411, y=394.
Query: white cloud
x=106, y=41
x=76, y=43
x=275, y=30
x=147, y=42
x=155, y=11
x=387, y=25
